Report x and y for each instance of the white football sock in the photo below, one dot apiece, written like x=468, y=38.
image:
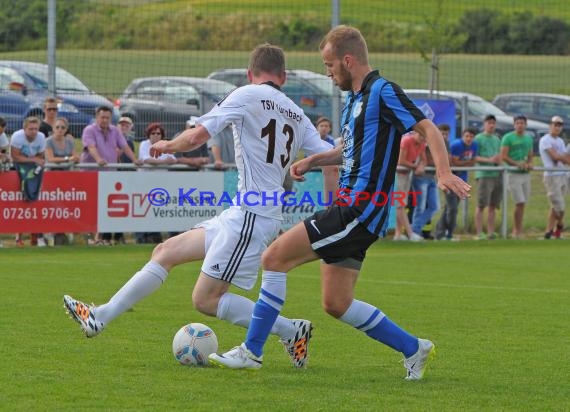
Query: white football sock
x=142, y=284
x=238, y=309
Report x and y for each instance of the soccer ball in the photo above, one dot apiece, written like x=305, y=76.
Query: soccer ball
x=193, y=343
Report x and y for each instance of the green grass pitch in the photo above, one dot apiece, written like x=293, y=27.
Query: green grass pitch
x=497, y=312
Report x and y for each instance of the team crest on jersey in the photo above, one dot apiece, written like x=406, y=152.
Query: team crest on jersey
x=357, y=110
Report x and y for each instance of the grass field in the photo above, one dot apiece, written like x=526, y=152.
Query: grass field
x=497, y=311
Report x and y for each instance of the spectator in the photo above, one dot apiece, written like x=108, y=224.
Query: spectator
x=102, y=141
x=553, y=155
x=60, y=147
x=126, y=127
x=222, y=148
x=426, y=196
x=490, y=183
x=517, y=150
x=324, y=126
x=50, y=116
x=568, y=174
x=462, y=154
x=4, y=152
x=28, y=146
x=412, y=159
x=154, y=133
x=101, y=144
x=4, y=146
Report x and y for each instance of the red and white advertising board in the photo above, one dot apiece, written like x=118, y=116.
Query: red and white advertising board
x=125, y=205
x=67, y=203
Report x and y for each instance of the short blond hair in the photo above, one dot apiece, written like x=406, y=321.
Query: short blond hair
x=346, y=40
x=31, y=119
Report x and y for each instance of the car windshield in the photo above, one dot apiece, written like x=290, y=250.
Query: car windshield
x=482, y=108
x=217, y=90
x=323, y=83
x=64, y=80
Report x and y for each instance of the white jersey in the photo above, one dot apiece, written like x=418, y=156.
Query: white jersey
x=269, y=130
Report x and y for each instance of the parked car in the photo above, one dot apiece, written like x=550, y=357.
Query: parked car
x=169, y=100
x=477, y=109
x=24, y=86
x=536, y=106
x=312, y=92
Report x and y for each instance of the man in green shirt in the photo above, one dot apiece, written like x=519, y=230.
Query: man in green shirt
x=517, y=151
x=490, y=183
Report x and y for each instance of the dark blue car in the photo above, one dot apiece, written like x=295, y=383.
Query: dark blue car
x=24, y=86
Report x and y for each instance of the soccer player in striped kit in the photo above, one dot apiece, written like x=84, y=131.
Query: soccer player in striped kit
x=376, y=115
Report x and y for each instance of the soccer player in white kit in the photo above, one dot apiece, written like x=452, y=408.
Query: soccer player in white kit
x=269, y=130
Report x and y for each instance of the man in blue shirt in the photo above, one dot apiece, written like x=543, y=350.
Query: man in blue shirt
x=376, y=115
x=463, y=153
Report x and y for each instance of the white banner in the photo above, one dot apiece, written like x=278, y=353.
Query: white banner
x=156, y=201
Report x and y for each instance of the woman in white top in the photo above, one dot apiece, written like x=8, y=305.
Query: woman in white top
x=154, y=132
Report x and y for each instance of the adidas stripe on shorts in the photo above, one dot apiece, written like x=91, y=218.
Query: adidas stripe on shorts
x=235, y=241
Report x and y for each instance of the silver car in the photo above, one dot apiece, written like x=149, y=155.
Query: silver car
x=536, y=106
x=477, y=108
x=169, y=100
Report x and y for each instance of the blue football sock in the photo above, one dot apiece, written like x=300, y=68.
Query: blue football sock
x=266, y=310
x=375, y=324
x=395, y=337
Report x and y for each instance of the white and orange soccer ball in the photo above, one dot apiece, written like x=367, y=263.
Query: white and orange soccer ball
x=193, y=343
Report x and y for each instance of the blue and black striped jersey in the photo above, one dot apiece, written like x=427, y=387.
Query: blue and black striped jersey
x=374, y=120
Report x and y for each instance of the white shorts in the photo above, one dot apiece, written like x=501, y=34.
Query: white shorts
x=235, y=241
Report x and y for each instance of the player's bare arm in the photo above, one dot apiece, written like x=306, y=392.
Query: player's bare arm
x=446, y=180
x=188, y=140
x=329, y=158
x=330, y=175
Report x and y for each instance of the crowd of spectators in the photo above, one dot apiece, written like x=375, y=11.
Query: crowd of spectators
x=514, y=149
x=48, y=140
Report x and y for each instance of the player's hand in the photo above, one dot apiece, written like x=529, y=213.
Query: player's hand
x=298, y=169
x=159, y=148
x=450, y=182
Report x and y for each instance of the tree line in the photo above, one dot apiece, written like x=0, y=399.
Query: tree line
x=81, y=24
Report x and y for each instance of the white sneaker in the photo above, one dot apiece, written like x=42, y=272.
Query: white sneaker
x=400, y=238
x=416, y=238
x=298, y=346
x=416, y=364
x=84, y=315
x=41, y=242
x=239, y=357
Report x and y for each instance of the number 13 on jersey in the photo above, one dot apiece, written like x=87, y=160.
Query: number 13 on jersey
x=270, y=131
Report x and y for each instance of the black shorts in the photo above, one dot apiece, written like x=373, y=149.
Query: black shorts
x=338, y=237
